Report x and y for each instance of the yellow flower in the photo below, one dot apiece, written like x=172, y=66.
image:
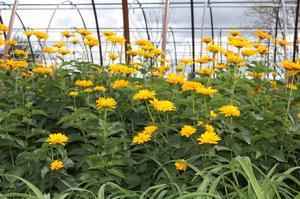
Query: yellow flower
x=236, y=59
x=179, y=68
x=298, y=116
x=28, y=33
x=175, y=78
x=206, y=40
x=106, y=103
x=3, y=28
x=100, y=88
x=191, y=85
x=206, y=71
x=108, y=33
x=88, y=90
x=67, y=34
x=290, y=65
x=255, y=75
x=213, y=114
x=262, y=35
x=181, y=165
x=238, y=42
x=75, y=41
x=186, y=61
x=120, y=84
x=42, y=70
x=221, y=66
x=263, y=50
x=230, y=111
x=84, y=83
x=73, y=93
x=64, y=51
x=214, y=48
x=49, y=50
x=248, y=52
x=291, y=86
x=150, y=129
x=91, y=42
x=41, y=35
x=199, y=122
x=209, y=128
x=56, y=165
x=20, y=52
x=141, y=138
x=163, y=105
x=59, y=44
x=11, y=42
x=57, y=138
x=83, y=32
x=206, y=91
x=119, y=68
x=113, y=56
x=209, y=138
x=187, y=131
x=234, y=33
x=203, y=60
x=144, y=95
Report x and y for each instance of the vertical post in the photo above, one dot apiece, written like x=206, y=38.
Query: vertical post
x=202, y=27
x=211, y=22
x=165, y=25
x=126, y=29
x=193, y=37
x=10, y=27
x=98, y=32
x=284, y=27
x=296, y=31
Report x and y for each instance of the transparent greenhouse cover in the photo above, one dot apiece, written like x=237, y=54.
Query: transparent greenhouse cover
x=227, y=15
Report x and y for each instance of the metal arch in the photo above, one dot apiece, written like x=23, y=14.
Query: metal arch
x=202, y=27
x=145, y=18
x=52, y=16
x=284, y=26
x=211, y=22
x=98, y=32
x=174, y=43
x=24, y=28
x=296, y=31
x=193, y=37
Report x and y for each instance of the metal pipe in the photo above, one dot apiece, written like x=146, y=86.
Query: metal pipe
x=174, y=43
x=202, y=27
x=284, y=26
x=98, y=33
x=126, y=29
x=10, y=27
x=145, y=19
x=296, y=31
x=165, y=25
x=211, y=22
x=193, y=37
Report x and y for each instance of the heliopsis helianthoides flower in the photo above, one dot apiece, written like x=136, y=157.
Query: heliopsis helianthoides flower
x=206, y=91
x=83, y=32
x=262, y=35
x=191, y=85
x=88, y=90
x=67, y=34
x=248, y=52
x=238, y=42
x=179, y=68
x=162, y=60
x=181, y=165
x=213, y=115
x=103, y=102
x=202, y=60
x=20, y=52
x=186, y=61
x=206, y=40
x=113, y=56
x=163, y=105
x=75, y=41
x=206, y=71
x=141, y=138
x=256, y=75
x=121, y=69
x=116, y=40
x=59, y=44
x=84, y=83
x=235, y=59
x=56, y=165
x=199, y=122
x=274, y=85
x=282, y=42
x=3, y=28
x=100, y=88
x=209, y=128
x=150, y=129
x=41, y=35
x=16, y=64
x=234, y=33
x=289, y=65
x=263, y=50
x=91, y=42
x=209, y=138
x=28, y=33
x=42, y=70
x=11, y=42
x=214, y=48
x=64, y=51
x=187, y=131
x=221, y=66
x=49, y=50
x=57, y=138
x=298, y=116
x=73, y=93
x=230, y=111
x=119, y=84
x=108, y=33
x=291, y=86
x=175, y=78
x=144, y=95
